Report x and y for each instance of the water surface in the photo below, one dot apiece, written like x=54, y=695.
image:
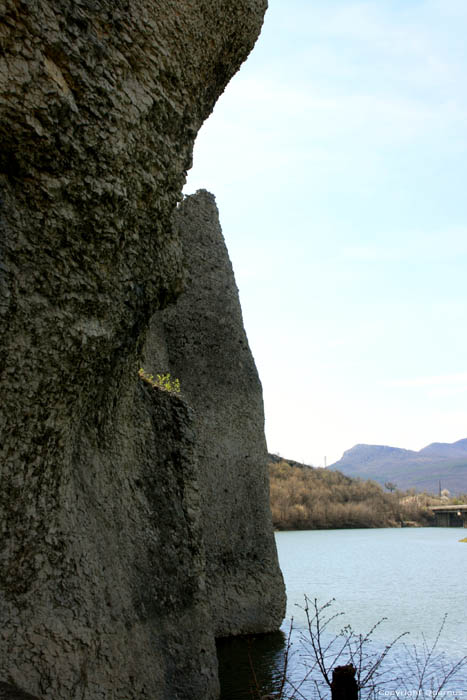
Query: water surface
x=412, y=577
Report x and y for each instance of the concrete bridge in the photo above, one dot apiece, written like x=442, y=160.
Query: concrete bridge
x=450, y=516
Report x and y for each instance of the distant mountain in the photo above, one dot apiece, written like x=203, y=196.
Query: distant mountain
x=423, y=470
x=445, y=449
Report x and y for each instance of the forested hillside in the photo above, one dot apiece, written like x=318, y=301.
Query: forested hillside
x=304, y=498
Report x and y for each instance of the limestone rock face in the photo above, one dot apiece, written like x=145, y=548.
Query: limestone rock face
x=102, y=588
x=201, y=341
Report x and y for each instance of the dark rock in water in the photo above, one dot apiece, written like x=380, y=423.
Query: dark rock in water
x=206, y=347
x=102, y=559
x=344, y=685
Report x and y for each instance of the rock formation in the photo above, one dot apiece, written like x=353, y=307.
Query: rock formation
x=201, y=340
x=10, y=692
x=102, y=560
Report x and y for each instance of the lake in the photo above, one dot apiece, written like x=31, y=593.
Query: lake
x=411, y=576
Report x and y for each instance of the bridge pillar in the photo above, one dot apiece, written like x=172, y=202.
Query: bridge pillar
x=442, y=519
x=451, y=519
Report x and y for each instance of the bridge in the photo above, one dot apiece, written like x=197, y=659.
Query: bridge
x=450, y=516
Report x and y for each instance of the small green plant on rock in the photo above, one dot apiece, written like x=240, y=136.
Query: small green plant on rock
x=161, y=381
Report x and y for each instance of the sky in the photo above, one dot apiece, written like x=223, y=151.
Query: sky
x=338, y=158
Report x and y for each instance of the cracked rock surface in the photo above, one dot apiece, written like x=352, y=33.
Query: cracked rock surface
x=102, y=556
x=202, y=342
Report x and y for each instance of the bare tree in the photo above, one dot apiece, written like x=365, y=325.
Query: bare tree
x=423, y=673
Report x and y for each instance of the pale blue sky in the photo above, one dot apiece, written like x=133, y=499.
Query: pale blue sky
x=338, y=157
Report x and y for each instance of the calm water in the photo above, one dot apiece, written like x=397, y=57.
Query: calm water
x=412, y=577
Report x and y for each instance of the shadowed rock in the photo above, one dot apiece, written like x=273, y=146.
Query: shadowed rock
x=11, y=692
x=201, y=340
x=102, y=583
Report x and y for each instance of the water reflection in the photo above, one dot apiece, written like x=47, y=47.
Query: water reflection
x=250, y=667
x=237, y=655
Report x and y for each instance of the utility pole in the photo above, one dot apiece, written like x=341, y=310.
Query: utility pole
x=325, y=461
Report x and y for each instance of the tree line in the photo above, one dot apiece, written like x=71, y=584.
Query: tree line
x=307, y=498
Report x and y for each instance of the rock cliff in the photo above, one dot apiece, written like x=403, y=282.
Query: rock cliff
x=201, y=340
x=102, y=557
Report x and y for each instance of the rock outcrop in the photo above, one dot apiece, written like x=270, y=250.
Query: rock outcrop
x=102, y=560
x=201, y=341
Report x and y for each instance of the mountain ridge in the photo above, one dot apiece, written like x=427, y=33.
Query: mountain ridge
x=422, y=469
